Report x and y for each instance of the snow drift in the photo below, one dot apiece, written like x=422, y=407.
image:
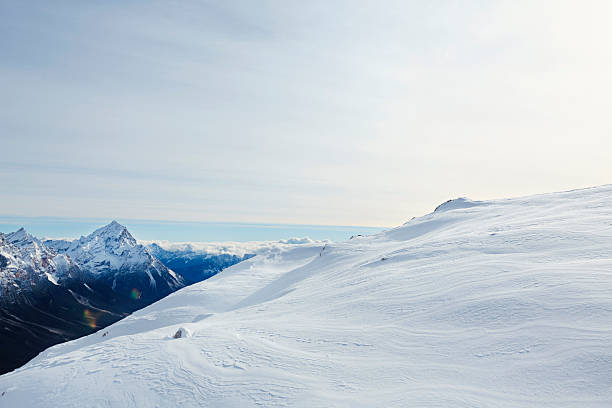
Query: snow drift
x=500, y=304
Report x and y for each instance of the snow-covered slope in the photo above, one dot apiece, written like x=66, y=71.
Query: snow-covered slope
x=502, y=304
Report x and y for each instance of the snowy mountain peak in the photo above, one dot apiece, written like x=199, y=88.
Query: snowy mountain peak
x=113, y=226
x=110, y=247
x=113, y=253
x=26, y=258
x=28, y=244
x=21, y=237
x=113, y=230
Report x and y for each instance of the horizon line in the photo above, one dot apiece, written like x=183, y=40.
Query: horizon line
x=8, y=218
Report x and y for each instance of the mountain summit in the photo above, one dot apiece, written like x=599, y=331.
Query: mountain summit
x=114, y=236
x=112, y=254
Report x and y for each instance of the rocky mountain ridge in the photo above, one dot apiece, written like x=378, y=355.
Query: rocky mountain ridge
x=57, y=290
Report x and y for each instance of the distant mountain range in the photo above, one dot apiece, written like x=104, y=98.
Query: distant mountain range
x=194, y=265
x=56, y=290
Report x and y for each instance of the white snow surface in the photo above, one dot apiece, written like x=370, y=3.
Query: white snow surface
x=504, y=304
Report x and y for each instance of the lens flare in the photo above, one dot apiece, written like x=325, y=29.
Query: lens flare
x=135, y=294
x=90, y=318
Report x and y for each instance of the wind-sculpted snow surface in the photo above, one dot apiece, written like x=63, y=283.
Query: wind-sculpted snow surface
x=503, y=304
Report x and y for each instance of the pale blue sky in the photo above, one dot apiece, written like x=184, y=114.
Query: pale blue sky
x=319, y=112
x=176, y=231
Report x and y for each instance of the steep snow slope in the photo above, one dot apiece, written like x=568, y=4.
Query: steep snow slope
x=501, y=304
